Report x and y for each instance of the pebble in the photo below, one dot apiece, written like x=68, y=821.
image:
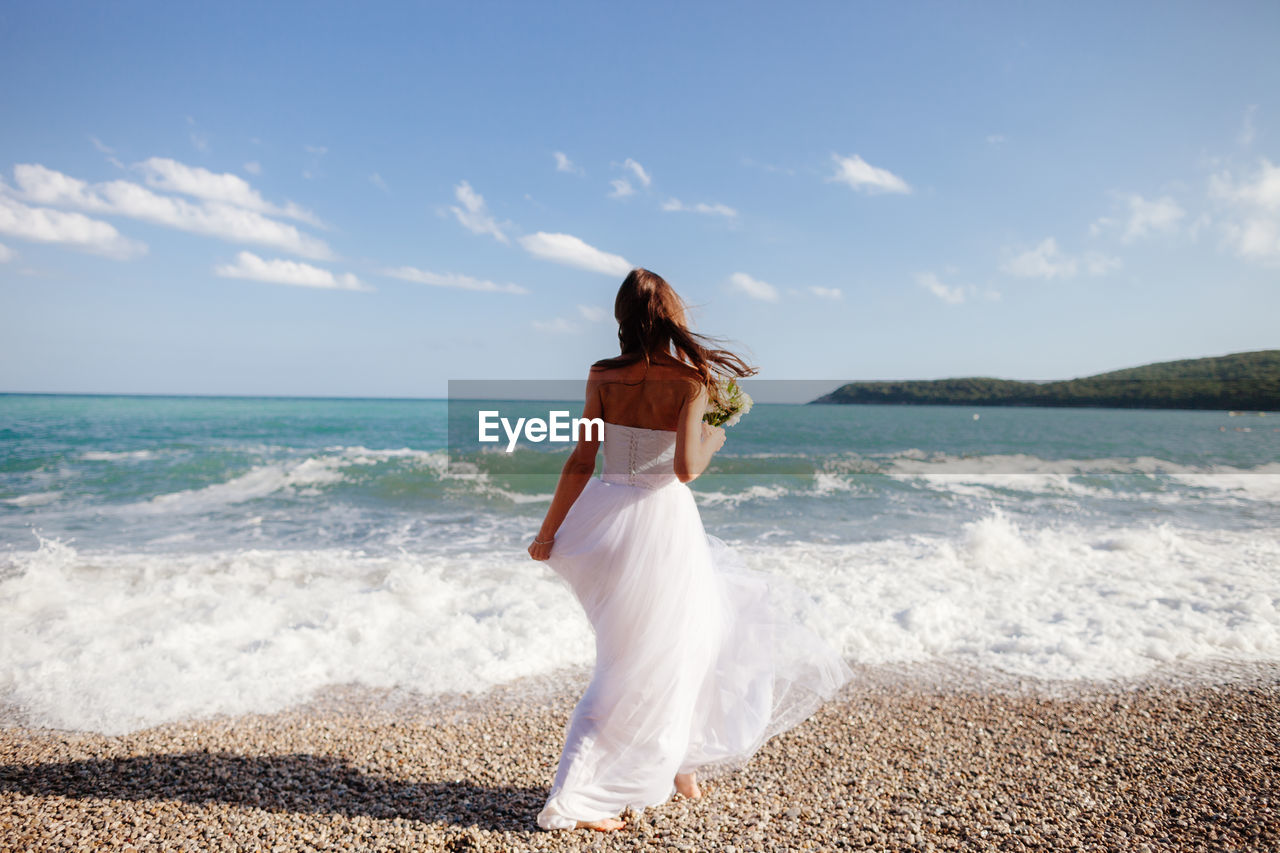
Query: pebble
x=897, y=761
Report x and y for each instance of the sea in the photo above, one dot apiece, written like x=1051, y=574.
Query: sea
x=167, y=558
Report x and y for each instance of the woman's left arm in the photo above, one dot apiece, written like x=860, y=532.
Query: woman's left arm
x=577, y=470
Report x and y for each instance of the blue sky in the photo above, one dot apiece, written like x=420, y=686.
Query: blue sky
x=329, y=200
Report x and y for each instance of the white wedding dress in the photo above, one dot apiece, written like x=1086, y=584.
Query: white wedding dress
x=698, y=660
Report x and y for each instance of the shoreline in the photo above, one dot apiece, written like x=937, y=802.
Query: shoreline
x=920, y=757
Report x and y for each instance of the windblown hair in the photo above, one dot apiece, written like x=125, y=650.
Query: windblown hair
x=650, y=317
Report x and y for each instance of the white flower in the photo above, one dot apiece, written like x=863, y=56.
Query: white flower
x=733, y=403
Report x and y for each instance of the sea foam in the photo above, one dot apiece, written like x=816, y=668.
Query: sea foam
x=113, y=642
x=117, y=642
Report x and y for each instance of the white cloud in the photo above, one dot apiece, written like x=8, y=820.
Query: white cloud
x=43, y=225
x=449, y=279
x=107, y=150
x=168, y=175
x=571, y=251
x=1248, y=133
x=862, y=176
x=826, y=292
x=1262, y=190
x=753, y=287
x=1141, y=218
x=123, y=198
x=636, y=169
x=951, y=294
x=954, y=294
x=253, y=167
x=674, y=204
x=1145, y=216
x=558, y=326
x=1044, y=261
x=474, y=214
x=564, y=164
x=996, y=139
x=1047, y=261
x=1199, y=224
x=565, y=326
x=1256, y=238
x=377, y=181
x=767, y=167
x=6, y=254
x=199, y=140
x=1096, y=263
x=1251, y=226
x=594, y=314
x=295, y=273
x=622, y=187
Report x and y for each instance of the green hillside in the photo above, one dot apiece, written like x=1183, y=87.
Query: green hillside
x=1247, y=380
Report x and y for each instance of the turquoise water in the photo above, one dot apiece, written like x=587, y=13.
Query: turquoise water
x=168, y=557
x=137, y=472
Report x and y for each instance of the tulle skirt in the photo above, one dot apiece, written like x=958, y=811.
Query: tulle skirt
x=698, y=659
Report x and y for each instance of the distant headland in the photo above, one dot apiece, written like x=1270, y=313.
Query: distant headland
x=1245, y=380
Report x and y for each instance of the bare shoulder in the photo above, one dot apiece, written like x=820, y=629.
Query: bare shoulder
x=685, y=374
x=673, y=368
x=601, y=371
x=679, y=375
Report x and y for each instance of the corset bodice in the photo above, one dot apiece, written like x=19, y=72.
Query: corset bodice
x=635, y=456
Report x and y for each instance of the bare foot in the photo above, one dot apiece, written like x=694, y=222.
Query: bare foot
x=606, y=825
x=687, y=785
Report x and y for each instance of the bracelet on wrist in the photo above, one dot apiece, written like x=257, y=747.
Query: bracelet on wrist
x=537, y=541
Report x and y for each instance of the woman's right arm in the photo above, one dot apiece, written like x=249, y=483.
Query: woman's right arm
x=696, y=442
x=577, y=471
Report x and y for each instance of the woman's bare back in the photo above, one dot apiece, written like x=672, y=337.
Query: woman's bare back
x=648, y=396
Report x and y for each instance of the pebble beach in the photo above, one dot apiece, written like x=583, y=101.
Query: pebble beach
x=907, y=759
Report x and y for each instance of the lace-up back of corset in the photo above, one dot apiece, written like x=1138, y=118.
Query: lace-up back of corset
x=634, y=456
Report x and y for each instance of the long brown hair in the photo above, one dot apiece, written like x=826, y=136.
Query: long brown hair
x=650, y=317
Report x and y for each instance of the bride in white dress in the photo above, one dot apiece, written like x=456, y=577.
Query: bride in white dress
x=698, y=660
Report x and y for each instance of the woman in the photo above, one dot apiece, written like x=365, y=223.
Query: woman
x=698, y=661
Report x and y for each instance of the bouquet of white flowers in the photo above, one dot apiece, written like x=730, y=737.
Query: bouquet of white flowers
x=732, y=405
